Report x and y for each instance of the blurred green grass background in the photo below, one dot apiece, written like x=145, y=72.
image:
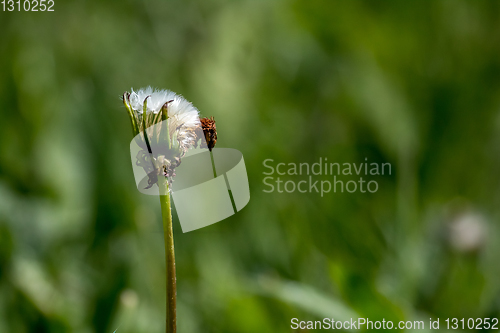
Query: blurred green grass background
x=413, y=83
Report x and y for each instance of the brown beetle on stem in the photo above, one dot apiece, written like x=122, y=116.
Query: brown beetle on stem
x=209, y=131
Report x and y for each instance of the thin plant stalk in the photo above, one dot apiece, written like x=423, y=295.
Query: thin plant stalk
x=185, y=136
x=166, y=213
x=213, y=163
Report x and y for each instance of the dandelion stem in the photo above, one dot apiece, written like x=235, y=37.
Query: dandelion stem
x=213, y=164
x=166, y=213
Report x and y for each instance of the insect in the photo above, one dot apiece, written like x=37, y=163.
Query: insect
x=210, y=131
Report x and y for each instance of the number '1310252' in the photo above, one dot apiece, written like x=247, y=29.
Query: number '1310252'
x=28, y=5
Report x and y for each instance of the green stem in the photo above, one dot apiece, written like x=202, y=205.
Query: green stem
x=131, y=113
x=166, y=213
x=213, y=164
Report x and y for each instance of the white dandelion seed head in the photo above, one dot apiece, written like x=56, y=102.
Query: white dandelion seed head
x=157, y=98
x=183, y=117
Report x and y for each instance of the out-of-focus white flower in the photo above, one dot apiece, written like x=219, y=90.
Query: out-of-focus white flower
x=468, y=232
x=129, y=298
